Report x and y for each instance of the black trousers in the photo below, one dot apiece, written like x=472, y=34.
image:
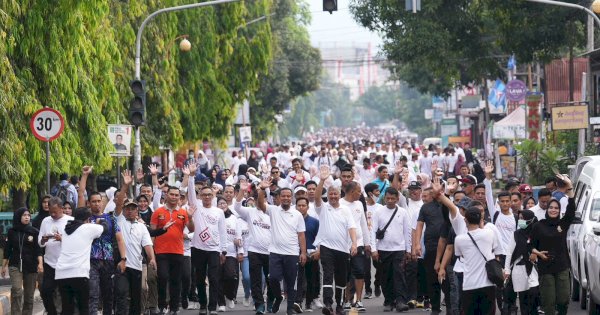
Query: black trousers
x=421, y=279
x=49, y=285
x=74, y=291
x=393, y=282
x=259, y=267
x=230, y=277
x=335, y=266
x=528, y=301
x=505, y=296
x=207, y=264
x=377, y=281
x=433, y=285
x=308, y=282
x=368, y=274
x=284, y=267
x=186, y=278
x=411, y=276
x=478, y=301
x=128, y=289
x=169, y=272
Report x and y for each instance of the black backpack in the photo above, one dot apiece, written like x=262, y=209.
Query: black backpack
x=62, y=192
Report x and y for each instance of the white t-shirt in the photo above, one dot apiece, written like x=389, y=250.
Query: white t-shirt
x=475, y=275
x=311, y=210
x=259, y=224
x=74, y=259
x=506, y=226
x=136, y=237
x=242, y=233
x=334, y=226
x=425, y=164
x=286, y=226
x=210, y=233
x=358, y=215
x=540, y=213
x=397, y=234
x=371, y=209
x=451, y=162
x=231, y=228
x=52, y=247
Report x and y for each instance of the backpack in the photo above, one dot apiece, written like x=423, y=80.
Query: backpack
x=498, y=213
x=62, y=192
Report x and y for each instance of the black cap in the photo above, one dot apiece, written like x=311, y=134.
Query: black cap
x=414, y=185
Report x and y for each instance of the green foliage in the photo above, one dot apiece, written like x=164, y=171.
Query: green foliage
x=541, y=160
x=464, y=40
x=77, y=57
x=294, y=70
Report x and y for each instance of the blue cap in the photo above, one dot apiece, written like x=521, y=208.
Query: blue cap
x=200, y=177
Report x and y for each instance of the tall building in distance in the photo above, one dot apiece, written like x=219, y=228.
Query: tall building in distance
x=353, y=65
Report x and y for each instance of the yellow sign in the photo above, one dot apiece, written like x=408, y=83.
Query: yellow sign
x=570, y=117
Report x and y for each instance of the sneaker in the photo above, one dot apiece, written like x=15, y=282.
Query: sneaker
x=246, y=302
x=308, y=308
x=327, y=310
x=368, y=295
x=229, y=303
x=203, y=310
x=260, y=309
x=162, y=311
x=339, y=310
x=213, y=313
x=221, y=309
x=388, y=308
x=347, y=306
x=377, y=291
x=420, y=304
x=317, y=303
x=401, y=307
x=427, y=304
x=359, y=306
x=298, y=308
x=276, y=304
x=184, y=304
x=270, y=305
x=412, y=304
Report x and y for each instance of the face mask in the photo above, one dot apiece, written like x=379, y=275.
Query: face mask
x=522, y=224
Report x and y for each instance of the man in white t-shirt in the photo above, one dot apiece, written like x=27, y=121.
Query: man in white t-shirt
x=544, y=197
x=73, y=265
x=475, y=248
x=336, y=240
x=52, y=230
x=288, y=245
x=372, y=192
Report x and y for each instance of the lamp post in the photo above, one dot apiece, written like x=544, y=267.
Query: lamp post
x=137, y=149
x=592, y=17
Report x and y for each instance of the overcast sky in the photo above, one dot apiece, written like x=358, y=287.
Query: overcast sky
x=338, y=27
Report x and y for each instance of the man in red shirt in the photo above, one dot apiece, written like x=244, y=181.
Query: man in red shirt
x=169, y=249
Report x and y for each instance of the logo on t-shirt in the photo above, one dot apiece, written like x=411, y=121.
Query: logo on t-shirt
x=205, y=235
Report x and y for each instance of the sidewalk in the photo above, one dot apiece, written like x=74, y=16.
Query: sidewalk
x=38, y=307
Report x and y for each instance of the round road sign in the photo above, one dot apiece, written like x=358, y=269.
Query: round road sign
x=47, y=124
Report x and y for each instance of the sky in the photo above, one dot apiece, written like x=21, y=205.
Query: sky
x=338, y=27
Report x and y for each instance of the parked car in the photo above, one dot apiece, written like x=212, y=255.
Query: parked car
x=592, y=262
x=587, y=198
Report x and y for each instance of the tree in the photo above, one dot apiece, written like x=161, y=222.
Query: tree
x=463, y=40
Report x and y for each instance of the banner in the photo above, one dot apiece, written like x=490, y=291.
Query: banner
x=533, y=101
x=497, y=98
x=120, y=137
x=570, y=117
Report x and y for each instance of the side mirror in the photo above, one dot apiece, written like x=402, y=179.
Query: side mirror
x=577, y=219
x=596, y=229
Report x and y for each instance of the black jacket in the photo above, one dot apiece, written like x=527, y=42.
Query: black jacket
x=22, y=246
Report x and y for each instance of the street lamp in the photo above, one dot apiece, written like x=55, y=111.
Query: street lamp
x=184, y=45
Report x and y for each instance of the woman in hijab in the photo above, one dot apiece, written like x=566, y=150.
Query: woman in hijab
x=43, y=212
x=549, y=240
x=67, y=208
x=253, y=160
x=424, y=180
x=212, y=174
x=221, y=178
x=528, y=203
x=523, y=274
x=22, y=261
x=203, y=162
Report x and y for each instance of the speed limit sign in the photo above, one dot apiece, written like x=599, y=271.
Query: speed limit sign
x=47, y=124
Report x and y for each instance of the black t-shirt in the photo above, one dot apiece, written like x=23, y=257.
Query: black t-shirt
x=431, y=215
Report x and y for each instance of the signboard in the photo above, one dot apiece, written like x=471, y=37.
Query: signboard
x=47, y=124
x=245, y=134
x=120, y=137
x=470, y=101
x=594, y=120
x=509, y=132
x=428, y=113
x=449, y=127
x=516, y=90
x=497, y=98
x=570, y=117
x=533, y=119
x=508, y=166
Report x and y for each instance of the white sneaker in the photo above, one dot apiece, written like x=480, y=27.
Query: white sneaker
x=221, y=308
x=229, y=303
x=317, y=303
x=246, y=302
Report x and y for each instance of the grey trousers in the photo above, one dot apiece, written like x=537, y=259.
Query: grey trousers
x=21, y=292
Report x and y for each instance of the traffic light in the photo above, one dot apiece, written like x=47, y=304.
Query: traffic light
x=137, y=107
x=330, y=6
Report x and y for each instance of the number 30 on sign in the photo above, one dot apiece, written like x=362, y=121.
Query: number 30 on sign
x=47, y=124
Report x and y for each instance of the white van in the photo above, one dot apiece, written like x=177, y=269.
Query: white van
x=587, y=199
x=434, y=141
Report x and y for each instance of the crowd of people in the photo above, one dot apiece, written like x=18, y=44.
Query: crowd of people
x=304, y=223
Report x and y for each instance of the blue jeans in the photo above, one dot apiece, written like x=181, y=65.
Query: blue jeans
x=245, y=268
x=454, y=292
x=283, y=267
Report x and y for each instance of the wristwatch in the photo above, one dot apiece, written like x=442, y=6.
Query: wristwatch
x=124, y=259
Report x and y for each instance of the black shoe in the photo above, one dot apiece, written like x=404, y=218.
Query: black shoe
x=377, y=291
x=401, y=307
x=184, y=304
x=276, y=304
x=298, y=308
x=388, y=308
x=327, y=310
x=203, y=310
x=339, y=310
